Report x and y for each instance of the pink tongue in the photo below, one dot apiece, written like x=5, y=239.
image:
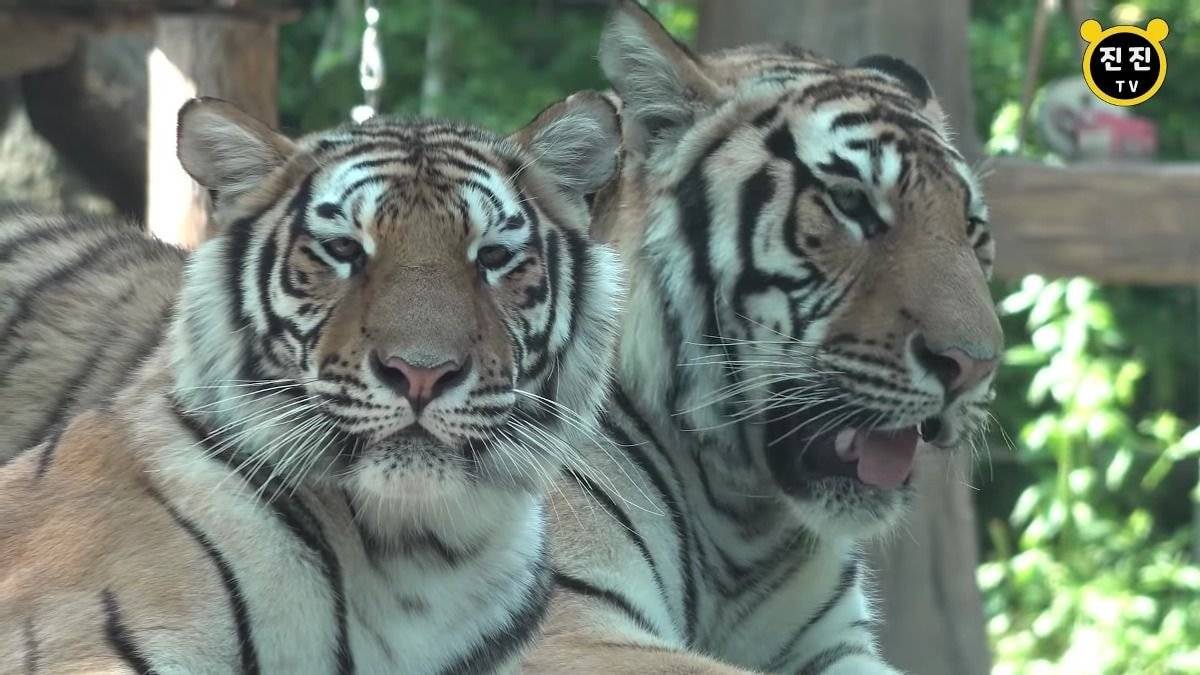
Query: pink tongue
x=885, y=457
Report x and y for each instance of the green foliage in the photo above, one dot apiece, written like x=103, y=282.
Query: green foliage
x=999, y=37
x=506, y=61
x=1088, y=527
x=1084, y=577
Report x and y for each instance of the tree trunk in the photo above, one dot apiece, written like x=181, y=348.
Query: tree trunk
x=227, y=56
x=933, y=616
x=437, y=44
x=930, y=34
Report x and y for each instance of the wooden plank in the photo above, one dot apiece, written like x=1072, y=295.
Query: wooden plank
x=1119, y=223
x=35, y=42
x=89, y=8
x=221, y=55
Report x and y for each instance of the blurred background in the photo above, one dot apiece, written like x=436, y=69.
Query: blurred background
x=1071, y=543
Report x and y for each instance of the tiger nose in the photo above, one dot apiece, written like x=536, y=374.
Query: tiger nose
x=418, y=384
x=957, y=370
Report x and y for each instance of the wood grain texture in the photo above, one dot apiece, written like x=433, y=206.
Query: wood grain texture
x=1119, y=223
x=101, y=8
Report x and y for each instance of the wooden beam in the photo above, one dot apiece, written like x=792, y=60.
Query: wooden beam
x=109, y=8
x=35, y=42
x=1119, y=223
x=227, y=56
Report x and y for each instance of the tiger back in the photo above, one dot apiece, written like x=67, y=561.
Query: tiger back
x=85, y=300
x=335, y=459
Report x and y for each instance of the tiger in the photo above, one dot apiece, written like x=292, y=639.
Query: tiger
x=335, y=457
x=70, y=339
x=808, y=257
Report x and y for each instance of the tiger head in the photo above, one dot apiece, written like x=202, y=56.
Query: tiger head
x=812, y=252
x=404, y=308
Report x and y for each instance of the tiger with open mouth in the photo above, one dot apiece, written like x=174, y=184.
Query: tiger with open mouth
x=808, y=299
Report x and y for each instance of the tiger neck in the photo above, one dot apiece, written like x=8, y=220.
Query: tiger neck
x=671, y=370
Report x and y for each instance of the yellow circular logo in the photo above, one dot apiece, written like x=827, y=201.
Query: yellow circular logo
x=1124, y=65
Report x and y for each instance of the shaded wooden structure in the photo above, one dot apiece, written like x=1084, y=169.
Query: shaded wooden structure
x=222, y=48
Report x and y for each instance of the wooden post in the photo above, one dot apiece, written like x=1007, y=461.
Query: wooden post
x=233, y=56
x=930, y=34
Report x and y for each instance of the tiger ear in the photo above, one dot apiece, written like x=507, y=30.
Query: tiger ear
x=912, y=81
x=225, y=149
x=576, y=141
x=662, y=86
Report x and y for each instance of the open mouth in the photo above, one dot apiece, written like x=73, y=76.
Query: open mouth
x=880, y=458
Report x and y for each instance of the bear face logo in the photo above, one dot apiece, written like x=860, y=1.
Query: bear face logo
x=1124, y=65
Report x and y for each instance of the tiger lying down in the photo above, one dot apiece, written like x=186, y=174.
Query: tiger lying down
x=334, y=460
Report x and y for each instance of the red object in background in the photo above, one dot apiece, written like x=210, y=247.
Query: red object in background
x=1100, y=134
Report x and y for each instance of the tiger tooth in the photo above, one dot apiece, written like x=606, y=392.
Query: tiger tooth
x=843, y=444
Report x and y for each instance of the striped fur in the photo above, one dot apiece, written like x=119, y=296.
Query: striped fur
x=267, y=495
x=791, y=226
x=76, y=316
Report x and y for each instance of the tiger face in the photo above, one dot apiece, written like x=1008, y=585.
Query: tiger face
x=400, y=308
x=820, y=253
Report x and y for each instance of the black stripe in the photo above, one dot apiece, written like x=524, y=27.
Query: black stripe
x=295, y=516
x=90, y=257
x=144, y=349
x=236, y=248
x=695, y=221
x=847, y=580
x=840, y=166
x=498, y=646
x=35, y=234
x=581, y=587
x=47, y=453
x=78, y=382
x=237, y=603
x=764, y=588
x=756, y=192
x=620, y=516
x=409, y=544
x=579, y=277
x=682, y=531
x=824, y=659
x=118, y=635
x=33, y=649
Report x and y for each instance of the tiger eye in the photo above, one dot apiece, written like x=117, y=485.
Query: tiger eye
x=493, y=257
x=344, y=249
x=848, y=199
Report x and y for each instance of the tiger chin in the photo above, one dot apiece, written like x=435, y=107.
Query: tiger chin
x=334, y=459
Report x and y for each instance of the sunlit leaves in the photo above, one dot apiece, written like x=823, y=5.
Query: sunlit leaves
x=1082, y=580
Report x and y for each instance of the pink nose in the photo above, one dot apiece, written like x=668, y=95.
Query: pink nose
x=957, y=370
x=418, y=384
x=968, y=371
